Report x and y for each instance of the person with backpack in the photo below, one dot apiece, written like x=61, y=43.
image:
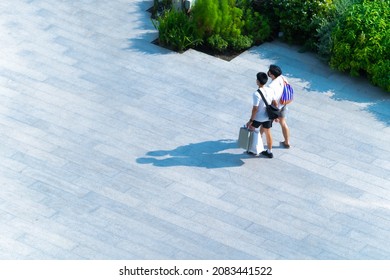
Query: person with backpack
x=259, y=117
x=281, y=89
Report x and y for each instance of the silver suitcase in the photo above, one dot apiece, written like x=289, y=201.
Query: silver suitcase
x=245, y=137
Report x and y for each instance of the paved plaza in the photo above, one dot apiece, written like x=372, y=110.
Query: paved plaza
x=112, y=147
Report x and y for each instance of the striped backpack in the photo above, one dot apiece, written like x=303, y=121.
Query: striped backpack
x=287, y=95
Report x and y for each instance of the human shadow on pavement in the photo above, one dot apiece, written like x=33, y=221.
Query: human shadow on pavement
x=208, y=154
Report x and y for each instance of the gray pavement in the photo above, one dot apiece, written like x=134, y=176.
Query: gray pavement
x=115, y=148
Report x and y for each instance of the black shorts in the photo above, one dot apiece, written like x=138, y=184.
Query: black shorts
x=267, y=124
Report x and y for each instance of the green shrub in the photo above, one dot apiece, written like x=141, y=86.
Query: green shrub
x=205, y=14
x=296, y=19
x=361, y=42
x=326, y=24
x=221, y=21
x=266, y=9
x=217, y=43
x=217, y=17
x=176, y=30
x=352, y=35
x=256, y=26
x=240, y=42
x=230, y=21
x=221, y=24
x=380, y=74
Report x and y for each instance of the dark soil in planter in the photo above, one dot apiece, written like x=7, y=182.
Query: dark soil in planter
x=227, y=55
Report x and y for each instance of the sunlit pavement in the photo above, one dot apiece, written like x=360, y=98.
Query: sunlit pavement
x=115, y=148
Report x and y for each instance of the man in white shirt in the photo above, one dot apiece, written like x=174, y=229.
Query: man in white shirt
x=277, y=84
x=259, y=117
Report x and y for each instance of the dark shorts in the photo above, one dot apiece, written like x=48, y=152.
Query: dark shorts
x=267, y=124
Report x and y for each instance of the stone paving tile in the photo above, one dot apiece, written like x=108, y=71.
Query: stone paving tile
x=115, y=148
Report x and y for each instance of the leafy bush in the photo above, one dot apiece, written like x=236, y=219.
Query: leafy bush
x=294, y=18
x=266, y=9
x=221, y=24
x=352, y=35
x=217, y=43
x=176, y=30
x=231, y=21
x=380, y=74
x=218, y=17
x=326, y=24
x=205, y=14
x=256, y=26
x=240, y=42
x=361, y=42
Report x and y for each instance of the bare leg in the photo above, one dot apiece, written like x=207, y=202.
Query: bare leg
x=285, y=130
x=268, y=136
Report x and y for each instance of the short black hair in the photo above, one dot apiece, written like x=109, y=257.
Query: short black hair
x=262, y=78
x=275, y=70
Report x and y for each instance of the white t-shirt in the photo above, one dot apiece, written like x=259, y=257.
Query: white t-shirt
x=277, y=85
x=261, y=115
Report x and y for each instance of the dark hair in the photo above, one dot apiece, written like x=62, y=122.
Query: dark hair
x=275, y=70
x=262, y=78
